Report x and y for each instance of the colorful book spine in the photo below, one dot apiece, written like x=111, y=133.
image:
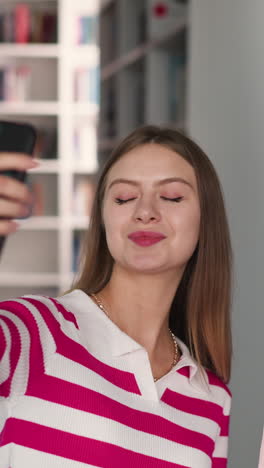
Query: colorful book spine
x=22, y=23
x=15, y=83
x=87, y=29
x=87, y=85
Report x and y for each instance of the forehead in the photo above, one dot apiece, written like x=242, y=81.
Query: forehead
x=151, y=162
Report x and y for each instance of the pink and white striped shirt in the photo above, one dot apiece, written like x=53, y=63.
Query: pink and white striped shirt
x=76, y=391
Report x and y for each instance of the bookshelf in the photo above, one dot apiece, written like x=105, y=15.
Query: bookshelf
x=144, y=48
x=62, y=101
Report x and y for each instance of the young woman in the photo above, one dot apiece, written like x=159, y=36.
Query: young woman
x=130, y=367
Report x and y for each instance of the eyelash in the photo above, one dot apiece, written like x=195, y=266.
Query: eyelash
x=119, y=201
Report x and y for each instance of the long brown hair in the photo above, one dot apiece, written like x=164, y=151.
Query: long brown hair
x=200, y=311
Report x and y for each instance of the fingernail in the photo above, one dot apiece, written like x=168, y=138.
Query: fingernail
x=35, y=162
x=13, y=226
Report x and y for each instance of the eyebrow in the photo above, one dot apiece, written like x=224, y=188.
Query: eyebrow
x=168, y=180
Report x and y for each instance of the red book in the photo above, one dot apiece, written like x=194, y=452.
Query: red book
x=22, y=23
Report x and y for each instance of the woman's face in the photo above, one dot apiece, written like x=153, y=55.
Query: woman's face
x=151, y=210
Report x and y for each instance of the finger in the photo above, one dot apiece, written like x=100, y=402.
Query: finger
x=7, y=227
x=17, y=161
x=11, y=209
x=15, y=190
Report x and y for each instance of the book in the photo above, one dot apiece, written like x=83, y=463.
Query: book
x=10, y=84
x=87, y=29
x=22, y=83
x=15, y=83
x=36, y=26
x=86, y=85
x=49, y=28
x=46, y=144
x=22, y=23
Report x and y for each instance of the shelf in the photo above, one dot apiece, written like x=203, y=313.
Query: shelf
x=86, y=54
x=30, y=50
x=140, y=51
x=29, y=108
x=29, y=279
x=79, y=223
x=39, y=222
x=55, y=167
x=48, y=223
x=78, y=169
x=85, y=109
x=47, y=166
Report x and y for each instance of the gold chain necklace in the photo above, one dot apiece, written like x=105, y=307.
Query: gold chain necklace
x=176, y=352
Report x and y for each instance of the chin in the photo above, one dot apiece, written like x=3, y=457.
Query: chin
x=147, y=267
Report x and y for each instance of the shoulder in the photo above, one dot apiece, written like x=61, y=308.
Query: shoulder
x=26, y=341
x=216, y=383
x=27, y=305
x=36, y=313
x=32, y=329
x=219, y=391
x=205, y=378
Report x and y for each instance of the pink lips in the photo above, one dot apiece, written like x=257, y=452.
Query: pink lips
x=146, y=238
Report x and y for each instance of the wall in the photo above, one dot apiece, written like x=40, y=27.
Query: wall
x=226, y=116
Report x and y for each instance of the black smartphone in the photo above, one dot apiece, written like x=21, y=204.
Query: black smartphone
x=19, y=138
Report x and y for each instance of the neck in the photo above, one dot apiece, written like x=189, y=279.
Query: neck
x=140, y=305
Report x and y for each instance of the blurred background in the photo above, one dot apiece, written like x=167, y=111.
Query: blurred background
x=87, y=72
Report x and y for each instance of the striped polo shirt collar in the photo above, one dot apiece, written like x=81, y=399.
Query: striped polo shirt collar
x=102, y=337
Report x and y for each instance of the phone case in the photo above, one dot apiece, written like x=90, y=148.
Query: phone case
x=18, y=138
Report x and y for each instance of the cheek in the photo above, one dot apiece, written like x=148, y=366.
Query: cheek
x=188, y=223
x=114, y=222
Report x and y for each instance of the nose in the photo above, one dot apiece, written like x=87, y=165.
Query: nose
x=146, y=212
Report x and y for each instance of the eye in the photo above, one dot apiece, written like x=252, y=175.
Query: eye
x=120, y=201
x=175, y=200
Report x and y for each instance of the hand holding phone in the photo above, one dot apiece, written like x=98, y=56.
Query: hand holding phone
x=15, y=197
x=16, y=148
